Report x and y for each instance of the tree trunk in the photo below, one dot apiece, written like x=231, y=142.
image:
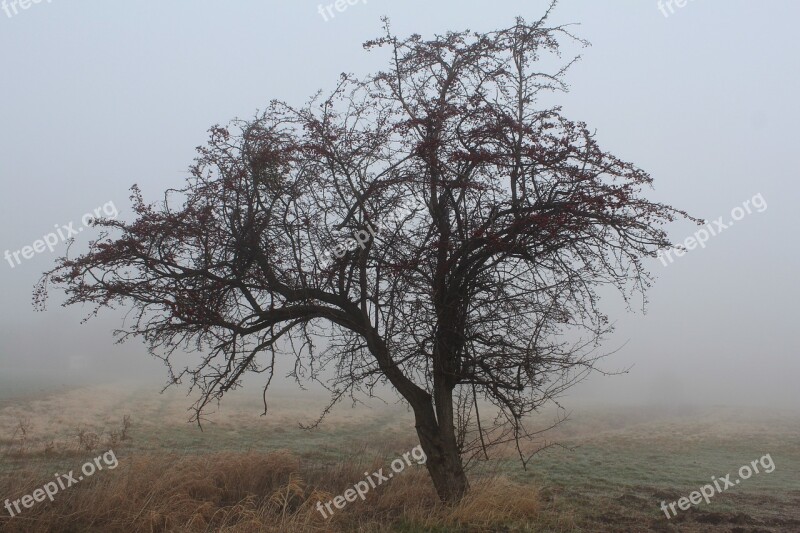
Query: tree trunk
x=443, y=458
x=435, y=428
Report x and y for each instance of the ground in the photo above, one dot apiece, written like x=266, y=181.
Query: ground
x=245, y=472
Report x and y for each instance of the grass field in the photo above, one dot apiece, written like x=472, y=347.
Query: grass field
x=245, y=472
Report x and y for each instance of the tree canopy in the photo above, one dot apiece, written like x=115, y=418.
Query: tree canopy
x=484, y=224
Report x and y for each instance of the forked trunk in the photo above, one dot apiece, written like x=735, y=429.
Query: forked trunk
x=445, y=467
x=443, y=458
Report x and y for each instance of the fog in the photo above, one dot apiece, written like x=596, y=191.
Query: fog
x=98, y=96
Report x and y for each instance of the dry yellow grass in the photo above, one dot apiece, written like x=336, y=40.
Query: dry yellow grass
x=628, y=460
x=257, y=492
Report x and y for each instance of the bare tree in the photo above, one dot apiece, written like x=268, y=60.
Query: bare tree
x=483, y=290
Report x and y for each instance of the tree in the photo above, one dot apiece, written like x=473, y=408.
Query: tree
x=482, y=288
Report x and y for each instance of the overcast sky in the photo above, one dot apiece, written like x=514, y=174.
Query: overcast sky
x=98, y=96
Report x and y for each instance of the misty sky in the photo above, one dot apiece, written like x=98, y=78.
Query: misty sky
x=98, y=96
